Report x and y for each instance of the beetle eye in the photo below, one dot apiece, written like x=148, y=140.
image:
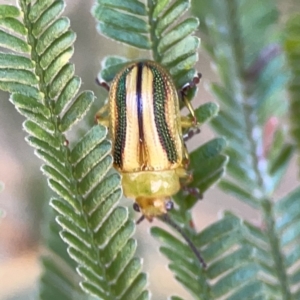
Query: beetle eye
x=136, y=207
x=169, y=205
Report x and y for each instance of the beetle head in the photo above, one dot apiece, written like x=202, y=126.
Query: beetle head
x=152, y=207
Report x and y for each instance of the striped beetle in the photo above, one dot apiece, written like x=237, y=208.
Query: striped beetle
x=146, y=129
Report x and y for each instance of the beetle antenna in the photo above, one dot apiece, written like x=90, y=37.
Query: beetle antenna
x=140, y=220
x=166, y=218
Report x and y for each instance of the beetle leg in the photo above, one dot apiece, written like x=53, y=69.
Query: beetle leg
x=186, y=122
x=186, y=159
x=192, y=112
x=190, y=133
x=191, y=127
x=190, y=121
x=102, y=84
x=190, y=190
x=191, y=84
x=193, y=191
x=101, y=116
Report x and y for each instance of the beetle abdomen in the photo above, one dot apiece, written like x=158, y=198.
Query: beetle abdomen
x=145, y=121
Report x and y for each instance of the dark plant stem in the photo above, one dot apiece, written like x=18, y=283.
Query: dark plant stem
x=166, y=218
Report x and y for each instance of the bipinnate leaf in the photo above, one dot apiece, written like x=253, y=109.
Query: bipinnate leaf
x=257, y=73
x=250, y=66
x=44, y=89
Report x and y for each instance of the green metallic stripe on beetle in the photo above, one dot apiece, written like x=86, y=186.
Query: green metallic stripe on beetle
x=120, y=131
x=153, y=152
x=160, y=92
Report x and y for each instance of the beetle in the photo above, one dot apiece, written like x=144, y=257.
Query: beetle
x=146, y=129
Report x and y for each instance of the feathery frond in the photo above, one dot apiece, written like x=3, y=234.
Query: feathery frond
x=250, y=93
x=250, y=72
x=45, y=90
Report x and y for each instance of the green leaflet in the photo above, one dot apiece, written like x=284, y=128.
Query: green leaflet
x=9, y=11
x=116, y=23
x=13, y=43
x=172, y=13
x=77, y=110
x=55, y=30
x=13, y=25
x=111, y=66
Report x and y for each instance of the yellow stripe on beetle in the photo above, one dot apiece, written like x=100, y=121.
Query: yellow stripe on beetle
x=147, y=142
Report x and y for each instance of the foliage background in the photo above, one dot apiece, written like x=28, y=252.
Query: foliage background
x=26, y=192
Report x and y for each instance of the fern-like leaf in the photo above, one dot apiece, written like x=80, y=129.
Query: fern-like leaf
x=249, y=261
x=45, y=90
x=259, y=67
x=292, y=49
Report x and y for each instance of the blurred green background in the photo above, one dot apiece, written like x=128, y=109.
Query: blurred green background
x=25, y=197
